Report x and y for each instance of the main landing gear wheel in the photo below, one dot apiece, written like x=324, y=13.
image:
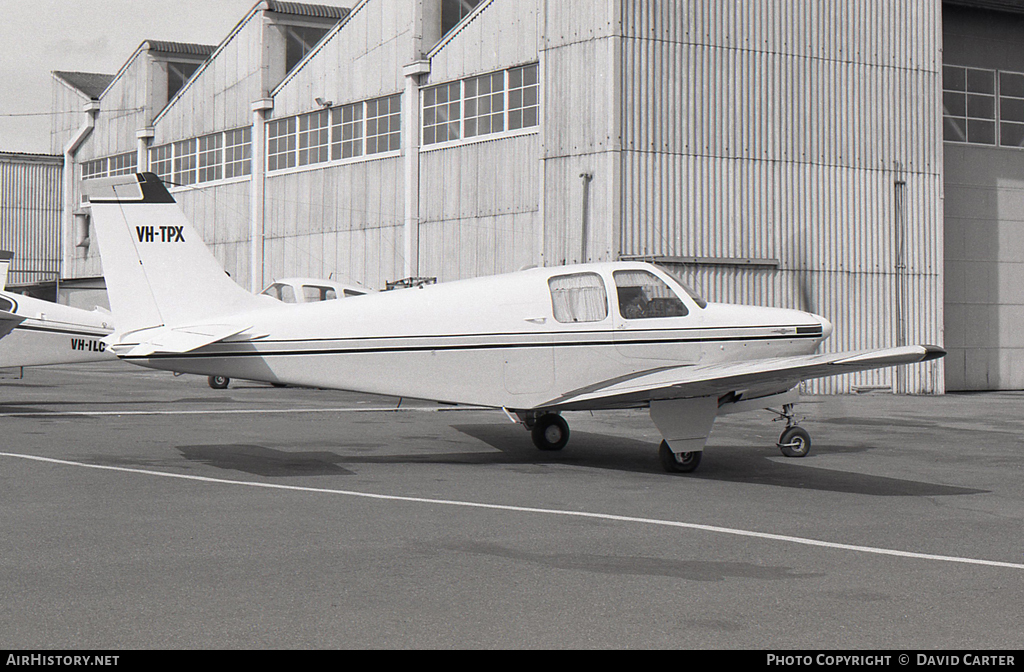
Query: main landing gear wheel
x=550, y=432
x=795, y=442
x=218, y=382
x=683, y=463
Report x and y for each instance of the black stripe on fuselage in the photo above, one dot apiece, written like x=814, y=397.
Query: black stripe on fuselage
x=463, y=346
x=61, y=332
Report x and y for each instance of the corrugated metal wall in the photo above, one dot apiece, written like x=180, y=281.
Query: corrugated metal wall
x=778, y=130
x=478, y=208
x=221, y=215
x=30, y=214
x=346, y=220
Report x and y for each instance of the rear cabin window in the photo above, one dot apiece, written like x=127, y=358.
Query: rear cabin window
x=643, y=295
x=580, y=297
x=314, y=293
x=281, y=292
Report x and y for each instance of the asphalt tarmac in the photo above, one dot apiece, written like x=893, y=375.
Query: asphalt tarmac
x=142, y=510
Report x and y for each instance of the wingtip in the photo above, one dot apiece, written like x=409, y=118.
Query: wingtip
x=933, y=352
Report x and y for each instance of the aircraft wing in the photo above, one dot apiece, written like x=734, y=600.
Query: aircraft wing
x=174, y=340
x=754, y=378
x=8, y=321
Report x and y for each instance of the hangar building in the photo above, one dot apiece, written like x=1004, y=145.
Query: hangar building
x=861, y=159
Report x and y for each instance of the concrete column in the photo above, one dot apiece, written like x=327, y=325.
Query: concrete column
x=257, y=191
x=145, y=137
x=91, y=109
x=411, y=158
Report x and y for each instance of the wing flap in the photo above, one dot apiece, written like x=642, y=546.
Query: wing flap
x=765, y=375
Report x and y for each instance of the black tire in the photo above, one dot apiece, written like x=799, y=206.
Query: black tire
x=683, y=464
x=795, y=442
x=550, y=432
x=218, y=382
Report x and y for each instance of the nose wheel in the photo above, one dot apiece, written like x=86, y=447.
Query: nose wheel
x=218, y=382
x=795, y=441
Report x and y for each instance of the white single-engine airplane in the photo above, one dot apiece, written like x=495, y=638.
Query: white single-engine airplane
x=36, y=332
x=534, y=343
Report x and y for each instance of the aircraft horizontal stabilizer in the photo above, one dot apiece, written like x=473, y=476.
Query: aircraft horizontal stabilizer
x=8, y=321
x=779, y=373
x=173, y=340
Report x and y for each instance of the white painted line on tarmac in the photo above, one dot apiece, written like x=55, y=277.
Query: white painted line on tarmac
x=525, y=509
x=243, y=411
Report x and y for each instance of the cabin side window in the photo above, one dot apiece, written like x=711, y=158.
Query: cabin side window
x=643, y=295
x=580, y=297
x=314, y=293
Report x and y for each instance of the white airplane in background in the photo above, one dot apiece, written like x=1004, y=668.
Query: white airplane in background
x=35, y=332
x=533, y=343
x=300, y=290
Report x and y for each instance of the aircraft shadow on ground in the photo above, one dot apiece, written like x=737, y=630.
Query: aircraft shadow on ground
x=595, y=451
x=720, y=463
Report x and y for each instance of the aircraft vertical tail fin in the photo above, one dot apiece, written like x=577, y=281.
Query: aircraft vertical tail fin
x=5, y=263
x=158, y=270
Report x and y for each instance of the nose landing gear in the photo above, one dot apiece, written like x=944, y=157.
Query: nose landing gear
x=795, y=441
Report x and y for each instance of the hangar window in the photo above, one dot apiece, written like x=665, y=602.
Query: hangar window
x=314, y=137
x=454, y=11
x=442, y=107
x=643, y=295
x=523, y=95
x=384, y=124
x=123, y=164
x=347, y=127
x=281, y=144
x=177, y=75
x=299, y=41
x=579, y=297
x=238, y=152
x=1011, y=109
x=94, y=168
x=485, y=104
x=482, y=105
x=969, y=105
x=161, y=161
x=185, y=162
x=211, y=161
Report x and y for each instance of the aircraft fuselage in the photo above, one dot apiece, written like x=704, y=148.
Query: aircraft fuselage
x=510, y=341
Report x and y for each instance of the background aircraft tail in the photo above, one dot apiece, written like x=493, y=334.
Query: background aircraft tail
x=158, y=270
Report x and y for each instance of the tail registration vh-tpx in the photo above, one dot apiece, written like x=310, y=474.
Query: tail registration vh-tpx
x=534, y=343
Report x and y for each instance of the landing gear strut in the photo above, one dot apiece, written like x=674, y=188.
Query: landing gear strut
x=795, y=441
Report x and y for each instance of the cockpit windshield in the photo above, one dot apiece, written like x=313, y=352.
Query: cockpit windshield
x=694, y=294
